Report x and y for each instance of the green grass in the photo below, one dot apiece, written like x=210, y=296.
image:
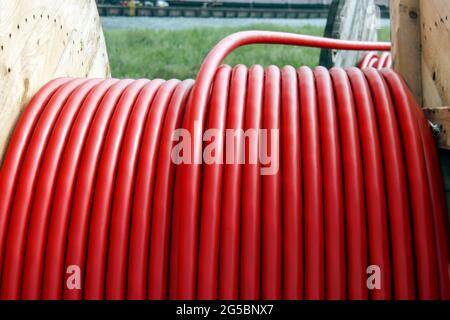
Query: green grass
x=178, y=53
x=384, y=34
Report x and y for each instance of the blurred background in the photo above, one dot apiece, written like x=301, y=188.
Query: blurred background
x=171, y=38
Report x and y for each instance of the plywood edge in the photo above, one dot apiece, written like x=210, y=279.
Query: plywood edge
x=406, y=43
x=435, y=38
x=42, y=40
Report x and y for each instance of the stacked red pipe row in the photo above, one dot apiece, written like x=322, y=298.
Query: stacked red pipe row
x=88, y=181
x=373, y=60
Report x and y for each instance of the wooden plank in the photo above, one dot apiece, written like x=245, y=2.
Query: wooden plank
x=435, y=37
x=440, y=119
x=42, y=40
x=350, y=20
x=406, y=46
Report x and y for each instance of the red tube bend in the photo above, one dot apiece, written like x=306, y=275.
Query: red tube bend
x=208, y=259
x=396, y=188
x=17, y=233
x=377, y=230
x=418, y=184
x=162, y=205
x=333, y=198
x=291, y=186
x=312, y=192
x=13, y=158
x=45, y=186
x=353, y=187
x=141, y=215
x=84, y=190
x=123, y=194
x=65, y=185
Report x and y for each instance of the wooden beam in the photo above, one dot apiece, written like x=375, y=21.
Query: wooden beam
x=42, y=40
x=406, y=45
x=350, y=20
x=435, y=37
x=440, y=118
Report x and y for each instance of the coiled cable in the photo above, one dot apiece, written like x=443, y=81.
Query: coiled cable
x=103, y=197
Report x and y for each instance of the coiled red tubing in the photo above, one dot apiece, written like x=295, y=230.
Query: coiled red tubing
x=89, y=180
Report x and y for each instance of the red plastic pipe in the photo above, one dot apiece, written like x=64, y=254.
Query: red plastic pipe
x=14, y=157
x=230, y=188
x=59, y=223
x=271, y=259
x=20, y=211
x=187, y=185
x=213, y=185
x=333, y=197
x=83, y=194
x=291, y=186
x=144, y=185
x=313, y=187
x=123, y=193
x=158, y=273
x=45, y=186
x=250, y=247
x=95, y=183
x=398, y=207
x=355, y=213
x=377, y=230
x=425, y=253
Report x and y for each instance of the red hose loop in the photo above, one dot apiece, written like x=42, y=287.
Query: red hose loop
x=188, y=181
x=377, y=231
x=20, y=211
x=162, y=206
x=243, y=38
x=250, y=247
x=141, y=213
x=291, y=186
x=85, y=181
x=99, y=202
x=353, y=187
x=368, y=59
x=372, y=59
x=388, y=63
x=40, y=213
x=396, y=188
x=313, y=187
x=271, y=259
x=229, y=197
x=383, y=61
x=420, y=197
x=64, y=192
x=16, y=151
x=438, y=203
x=123, y=193
x=103, y=193
x=213, y=187
x=333, y=197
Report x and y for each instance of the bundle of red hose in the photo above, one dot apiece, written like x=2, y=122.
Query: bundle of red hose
x=59, y=223
x=248, y=266
x=334, y=220
x=372, y=59
x=97, y=200
x=213, y=181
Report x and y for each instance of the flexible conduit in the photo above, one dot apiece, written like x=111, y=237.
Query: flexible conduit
x=88, y=181
x=372, y=59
